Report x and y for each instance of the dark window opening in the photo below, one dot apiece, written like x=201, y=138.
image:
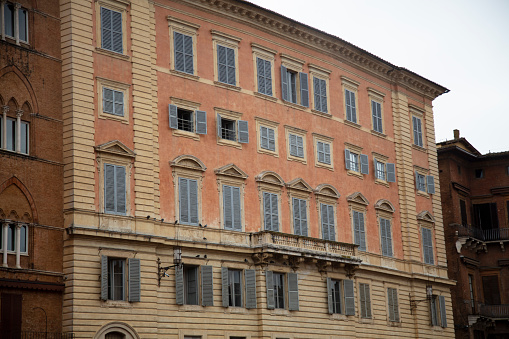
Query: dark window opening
x=491, y=290
x=459, y=169
x=185, y=120
x=479, y=173
x=463, y=207
x=191, y=285
x=11, y=315
x=228, y=129
x=485, y=216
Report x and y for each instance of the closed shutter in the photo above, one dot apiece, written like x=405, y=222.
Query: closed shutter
x=184, y=200
x=260, y=71
x=391, y=172
x=106, y=28
x=327, y=222
x=272, y=140
x=393, y=304
x=111, y=30
x=443, y=315
x=120, y=189
x=348, y=105
x=416, y=134
x=230, y=59
x=304, y=89
x=118, y=103
x=321, y=152
x=316, y=90
x=134, y=280
x=243, y=131
x=349, y=297
x=207, y=286
x=107, y=100
x=270, y=209
x=323, y=95
x=364, y=164
x=179, y=284
x=188, y=54
x=201, y=122
x=284, y=83
x=300, y=147
x=264, y=137
x=383, y=236
x=116, y=29
x=347, y=159
x=178, y=40
x=225, y=287
x=221, y=64
x=172, y=109
x=104, y=277
x=293, y=145
x=227, y=207
x=326, y=150
x=237, y=221
x=300, y=217
x=430, y=180
x=269, y=281
x=293, y=292
x=109, y=188
x=427, y=246
x=268, y=77
x=433, y=311
x=250, y=279
x=330, y=301
x=362, y=233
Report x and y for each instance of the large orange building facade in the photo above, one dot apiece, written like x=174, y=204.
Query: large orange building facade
x=231, y=173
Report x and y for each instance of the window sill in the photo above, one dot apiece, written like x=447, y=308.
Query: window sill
x=297, y=159
x=117, y=304
x=366, y=320
x=419, y=148
x=338, y=317
x=268, y=152
x=112, y=54
x=106, y=116
x=355, y=174
x=235, y=310
x=393, y=323
x=280, y=311
x=265, y=96
x=378, y=134
x=423, y=194
x=184, y=75
x=325, y=166
x=322, y=114
x=352, y=124
x=191, y=308
x=381, y=182
x=227, y=86
x=297, y=106
x=185, y=134
x=229, y=143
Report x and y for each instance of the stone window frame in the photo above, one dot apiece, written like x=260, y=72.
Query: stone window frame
x=369, y=282
x=300, y=189
x=329, y=195
x=352, y=86
x=323, y=74
x=17, y=8
x=4, y=248
x=424, y=172
x=117, y=86
x=295, y=65
x=382, y=159
x=426, y=220
x=386, y=286
x=299, y=132
x=358, y=202
x=188, y=167
x=187, y=28
x=268, y=124
x=327, y=140
x=385, y=209
x=125, y=255
x=230, y=115
x=267, y=54
x=15, y=116
x=356, y=150
x=190, y=106
x=418, y=113
x=377, y=96
x=115, y=153
x=231, y=175
x=121, y=6
x=230, y=41
x=270, y=182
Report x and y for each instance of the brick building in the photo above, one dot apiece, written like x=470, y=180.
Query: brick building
x=475, y=203
x=31, y=169
x=232, y=173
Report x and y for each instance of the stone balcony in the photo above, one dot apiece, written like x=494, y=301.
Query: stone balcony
x=477, y=239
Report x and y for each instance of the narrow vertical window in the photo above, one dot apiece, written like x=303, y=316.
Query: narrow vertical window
x=351, y=112
x=417, y=126
x=365, y=301
x=300, y=217
x=327, y=214
x=191, y=285
x=9, y=20
x=323, y=152
x=235, y=288
x=232, y=208
x=427, y=244
x=226, y=65
x=376, y=111
x=111, y=30
x=359, y=232
x=320, y=94
x=188, y=201
x=23, y=24
x=279, y=290
x=114, y=189
x=116, y=281
x=270, y=211
x=264, y=73
x=386, y=237
x=392, y=296
x=183, y=49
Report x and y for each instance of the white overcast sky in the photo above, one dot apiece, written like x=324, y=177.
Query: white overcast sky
x=462, y=45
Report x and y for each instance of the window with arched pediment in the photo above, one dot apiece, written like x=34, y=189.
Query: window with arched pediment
x=357, y=206
x=299, y=193
x=270, y=189
x=326, y=204
x=230, y=183
x=384, y=216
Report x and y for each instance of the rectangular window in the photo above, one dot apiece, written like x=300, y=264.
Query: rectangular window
x=356, y=162
x=278, y=284
x=188, y=201
x=114, y=189
x=226, y=65
x=420, y=182
x=191, y=285
x=270, y=211
x=120, y=279
x=294, y=85
x=427, y=246
x=380, y=172
x=323, y=150
x=24, y=137
x=296, y=145
x=320, y=94
x=9, y=19
x=235, y=288
x=376, y=112
x=351, y=112
x=113, y=101
x=23, y=24
x=11, y=134
x=471, y=289
x=11, y=238
x=188, y=120
x=335, y=286
x=183, y=47
x=267, y=138
x=232, y=287
x=111, y=30
x=233, y=130
x=264, y=73
x=228, y=130
x=187, y=285
x=386, y=235
x=341, y=297
x=392, y=297
x=491, y=290
x=300, y=223
x=328, y=232
x=365, y=301
x=417, y=126
x=479, y=173
x=116, y=281
x=232, y=208
x=279, y=290
x=358, y=229
x=13, y=15
x=437, y=311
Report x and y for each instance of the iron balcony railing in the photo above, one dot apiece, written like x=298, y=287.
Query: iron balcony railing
x=494, y=311
x=484, y=235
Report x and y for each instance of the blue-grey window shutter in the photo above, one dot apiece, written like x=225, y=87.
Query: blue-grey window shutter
x=284, y=83
x=188, y=54
x=201, y=122
x=320, y=150
x=178, y=39
x=120, y=189
x=417, y=180
x=193, y=202
x=347, y=159
x=316, y=92
x=383, y=236
x=134, y=280
x=391, y=172
x=228, y=207
x=348, y=105
x=268, y=77
x=293, y=145
x=118, y=101
x=356, y=229
x=349, y=297
x=443, y=315
x=221, y=64
x=109, y=188
x=219, y=127
x=184, y=200
x=431, y=184
x=243, y=131
x=250, y=279
x=329, y=296
x=207, y=296
x=362, y=232
x=304, y=89
x=172, y=109
x=260, y=71
x=272, y=140
x=300, y=147
x=105, y=28
x=104, y=277
x=107, y=100
x=225, y=294
x=269, y=281
x=296, y=217
x=323, y=95
x=293, y=292
x=230, y=59
x=353, y=109
x=364, y=164
x=179, y=285
x=271, y=213
x=267, y=211
x=326, y=151
x=237, y=221
x=303, y=218
x=264, y=137
x=116, y=28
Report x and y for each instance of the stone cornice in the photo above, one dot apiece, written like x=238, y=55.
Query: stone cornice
x=313, y=38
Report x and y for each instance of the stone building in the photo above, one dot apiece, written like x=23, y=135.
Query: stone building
x=232, y=173
x=475, y=203
x=31, y=169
